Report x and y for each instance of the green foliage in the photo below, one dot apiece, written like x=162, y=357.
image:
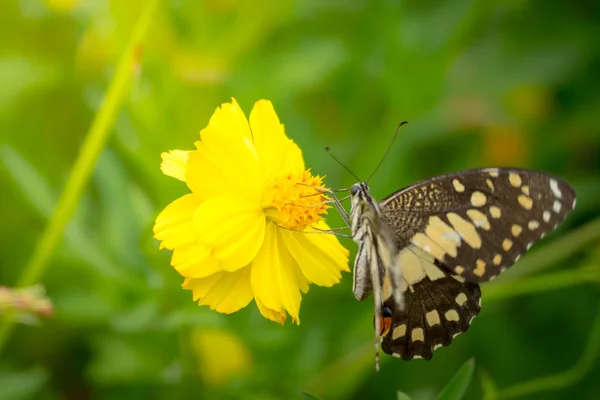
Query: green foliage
x=402, y=396
x=309, y=396
x=456, y=388
x=93, y=92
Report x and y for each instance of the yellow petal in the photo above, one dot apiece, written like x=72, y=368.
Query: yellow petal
x=230, y=120
x=273, y=275
x=320, y=257
x=293, y=160
x=234, y=228
x=268, y=136
x=224, y=165
x=226, y=292
x=276, y=152
x=275, y=316
x=174, y=163
x=174, y=226
x=194, y=261
x=303, y=283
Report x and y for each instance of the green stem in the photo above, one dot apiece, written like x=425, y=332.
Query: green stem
x=542, y=283
x=563, y=379
x=86, y=160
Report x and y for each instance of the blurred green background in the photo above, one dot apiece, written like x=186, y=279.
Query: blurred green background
x=482, y=83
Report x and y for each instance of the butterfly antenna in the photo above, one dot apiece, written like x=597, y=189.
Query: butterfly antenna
x=343, y=166
x=388, y=149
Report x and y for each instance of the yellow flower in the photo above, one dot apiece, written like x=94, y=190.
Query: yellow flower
x=221, y=355
x=242, y=232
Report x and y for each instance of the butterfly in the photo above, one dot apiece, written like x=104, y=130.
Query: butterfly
x=423, y=250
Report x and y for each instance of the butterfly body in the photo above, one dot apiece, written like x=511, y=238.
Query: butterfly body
x=370, y=231
x=377, y=258
x=424, y=249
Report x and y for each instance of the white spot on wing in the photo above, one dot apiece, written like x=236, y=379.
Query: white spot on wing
x=516, y=230
x=493, y=172
x=451, y=315
x=495, y=212
x=546, y=216
x=533, y=225
x=443, y=235
x=525, y=202
x=478, y=199
x=455, y=237
x=465, y=229
x=480, y=268
x=424, y=242
x=433, y=318
x=514, y=179
x=458, y=186
x=556, y=206
x=399, y=331
x=433, y=272
x=412, y=270
x=461, y=299
x=417, y=335
x=555, y=189
x=497, y=259
x=479, y=219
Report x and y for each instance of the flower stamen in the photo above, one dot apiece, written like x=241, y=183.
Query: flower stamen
x=293, y=204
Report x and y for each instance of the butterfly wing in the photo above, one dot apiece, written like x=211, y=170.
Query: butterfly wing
x=438, y=307
x=454, y=231
x=476, y=223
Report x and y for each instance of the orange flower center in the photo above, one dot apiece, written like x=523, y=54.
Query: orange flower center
x=295, y=201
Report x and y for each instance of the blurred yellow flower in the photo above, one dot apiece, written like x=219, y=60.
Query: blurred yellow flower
x=221, y=355
x=62, y=5
x=242, y=232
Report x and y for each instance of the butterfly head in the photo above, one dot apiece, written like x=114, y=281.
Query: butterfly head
x=358, y=188
x=361, y=197
x=363, y=206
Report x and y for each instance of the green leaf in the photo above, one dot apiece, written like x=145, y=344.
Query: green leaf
x=35, y=188
x=488, y=386
x=309, y=396
x=456, y=388
x=402, y=396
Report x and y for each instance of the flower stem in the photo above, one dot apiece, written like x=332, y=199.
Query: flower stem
x=86, y=160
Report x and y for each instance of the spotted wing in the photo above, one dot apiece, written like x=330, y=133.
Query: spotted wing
x=438, y=307
x=476, y=223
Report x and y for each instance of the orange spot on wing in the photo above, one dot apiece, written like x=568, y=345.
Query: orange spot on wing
x=386, y=324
